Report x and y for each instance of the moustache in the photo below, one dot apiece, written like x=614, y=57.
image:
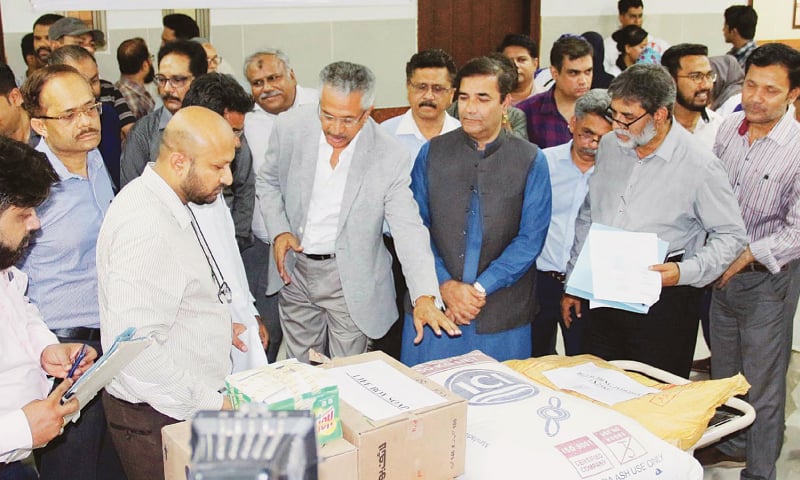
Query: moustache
x=88, y=130
x=167, y=98
x=588, y=151
x=427, y=104
x=269, y=94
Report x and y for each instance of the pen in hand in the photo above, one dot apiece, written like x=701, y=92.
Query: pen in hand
x=77, y=362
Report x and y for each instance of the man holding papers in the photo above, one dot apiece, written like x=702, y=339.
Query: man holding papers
x=29, y=418
x=652, y=176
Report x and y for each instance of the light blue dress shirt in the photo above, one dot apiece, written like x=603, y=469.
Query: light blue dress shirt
x=60, y=263
x=569, y=186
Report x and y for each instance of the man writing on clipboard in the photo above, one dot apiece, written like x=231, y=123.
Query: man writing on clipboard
x=29, y=418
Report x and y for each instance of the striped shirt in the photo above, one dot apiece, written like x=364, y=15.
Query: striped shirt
x=137, y=97
x=766, y=181
x=153, y=275
x=110, y=94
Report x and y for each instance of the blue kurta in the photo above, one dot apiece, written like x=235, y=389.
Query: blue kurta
x=503, y=271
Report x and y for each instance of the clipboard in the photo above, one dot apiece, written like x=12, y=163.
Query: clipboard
x=105, y=368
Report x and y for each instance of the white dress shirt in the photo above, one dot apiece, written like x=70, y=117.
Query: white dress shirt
x=257, y=129
x=216, y=223
x=706, y=131
x=322, y=222
x=23, y=337
x=405, y=129
x=153, y=275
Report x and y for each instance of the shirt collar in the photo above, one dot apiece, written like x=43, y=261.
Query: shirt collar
x=166, y=195
x=93, y=161
x=137, y=87
x=163, y=117
x=407, y=126
x=302, y=96
x=348, y=150
x=781, y=133
x=666, y=150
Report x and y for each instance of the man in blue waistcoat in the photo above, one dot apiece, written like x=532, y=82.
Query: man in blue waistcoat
x=485, y=196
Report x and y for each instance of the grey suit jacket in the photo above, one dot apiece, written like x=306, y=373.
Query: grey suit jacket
x=377, y=188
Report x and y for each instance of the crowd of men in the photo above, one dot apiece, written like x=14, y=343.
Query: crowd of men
x=226, y=224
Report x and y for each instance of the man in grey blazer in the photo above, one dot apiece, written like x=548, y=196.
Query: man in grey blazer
x=330, y=179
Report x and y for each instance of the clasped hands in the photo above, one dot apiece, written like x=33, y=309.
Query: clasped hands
x=463, y=303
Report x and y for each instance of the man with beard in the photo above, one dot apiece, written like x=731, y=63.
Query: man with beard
x=41, y=36
x=136, y=70
x=690, y=68
x=754, y=301
x=156, y=273
x=571, y=165
x=61, y=261
x=652, y=176
x=275, y=90
x=29, y=416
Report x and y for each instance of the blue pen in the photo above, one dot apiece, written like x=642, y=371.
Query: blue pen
x=78, y=359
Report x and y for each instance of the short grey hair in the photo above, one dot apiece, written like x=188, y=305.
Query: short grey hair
x=253, y=58
x=649, y=84
x=596, y=101
x=347, y=77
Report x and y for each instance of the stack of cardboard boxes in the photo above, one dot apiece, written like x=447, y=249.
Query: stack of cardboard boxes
x=426, y=442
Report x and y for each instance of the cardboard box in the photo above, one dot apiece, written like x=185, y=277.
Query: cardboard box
x=427, y=443
x=338, y=458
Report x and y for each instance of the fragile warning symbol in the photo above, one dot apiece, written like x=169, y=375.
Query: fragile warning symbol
x=620, y=443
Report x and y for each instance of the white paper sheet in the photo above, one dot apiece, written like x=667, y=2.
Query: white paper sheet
x=601, y=384
x=620, y=262
x=379, y=391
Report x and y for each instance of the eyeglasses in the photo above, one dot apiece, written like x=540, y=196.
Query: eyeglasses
x=177, y=81
x=589, y=137
x=698, y=77
x=346, y=121
x=70, y=116
x=224, y=294
x=626, y=125
x=216, y=60
x=422, y=88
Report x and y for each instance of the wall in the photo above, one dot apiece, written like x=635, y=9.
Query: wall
x=675, y=21
x=775, y=20
x=382, y=37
